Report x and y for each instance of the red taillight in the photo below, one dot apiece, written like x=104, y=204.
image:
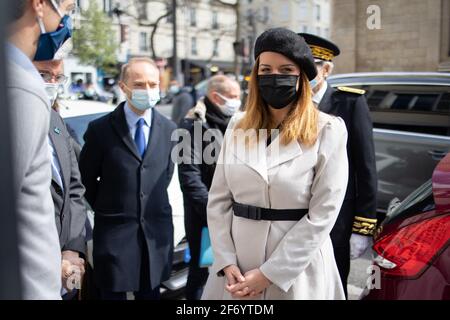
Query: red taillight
x=411, y=248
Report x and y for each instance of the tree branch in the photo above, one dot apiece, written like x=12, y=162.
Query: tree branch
x=155, y=28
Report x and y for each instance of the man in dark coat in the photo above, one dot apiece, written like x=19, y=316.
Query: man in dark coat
x=126, y=168
x=211, y=113
x=356, y=223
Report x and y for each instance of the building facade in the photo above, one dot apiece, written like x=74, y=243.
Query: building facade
x=312, y=16
x=411, y=35
x=206, y=31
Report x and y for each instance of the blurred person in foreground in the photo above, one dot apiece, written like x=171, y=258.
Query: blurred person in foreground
x=39, y=30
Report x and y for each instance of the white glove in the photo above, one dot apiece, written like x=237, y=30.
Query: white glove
x=358, y=245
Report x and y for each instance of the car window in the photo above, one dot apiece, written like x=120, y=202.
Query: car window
x=423, y=109
x=375, y=97
x=419, y=201
x=444, y=102
x=409, y=98
x=79, y=124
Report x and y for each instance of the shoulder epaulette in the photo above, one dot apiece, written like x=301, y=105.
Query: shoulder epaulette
x=351, y=90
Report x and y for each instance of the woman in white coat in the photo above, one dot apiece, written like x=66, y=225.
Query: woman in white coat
x=275, y=197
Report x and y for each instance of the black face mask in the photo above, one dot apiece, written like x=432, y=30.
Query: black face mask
x=278, y=90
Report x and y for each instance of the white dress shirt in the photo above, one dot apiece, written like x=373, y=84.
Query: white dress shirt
x=319, y=94
x=56, y=166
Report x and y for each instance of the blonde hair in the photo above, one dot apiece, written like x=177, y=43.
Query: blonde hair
x=301, y=122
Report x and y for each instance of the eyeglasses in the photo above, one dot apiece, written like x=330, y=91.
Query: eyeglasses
x=319, y=63
x=59, y=79
x=72, y=12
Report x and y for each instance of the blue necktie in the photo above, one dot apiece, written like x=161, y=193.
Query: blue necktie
x=139, y=137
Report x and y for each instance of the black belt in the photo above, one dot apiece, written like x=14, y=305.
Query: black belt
x=257, y=213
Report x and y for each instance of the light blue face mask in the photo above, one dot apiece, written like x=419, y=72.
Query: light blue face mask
x=144, y=99
x=313, y=83
x=56, y=44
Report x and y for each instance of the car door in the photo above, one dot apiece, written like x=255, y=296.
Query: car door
x=412, y=126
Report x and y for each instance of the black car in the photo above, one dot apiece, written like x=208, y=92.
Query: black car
x=411, y=117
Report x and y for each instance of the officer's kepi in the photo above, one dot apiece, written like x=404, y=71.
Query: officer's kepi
x=321, y=49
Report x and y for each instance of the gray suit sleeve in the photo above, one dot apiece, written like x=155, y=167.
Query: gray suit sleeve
x=39, y=246
x=76, y=241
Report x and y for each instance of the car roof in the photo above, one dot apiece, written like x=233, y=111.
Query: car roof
x=411, y=78
x=76, y=108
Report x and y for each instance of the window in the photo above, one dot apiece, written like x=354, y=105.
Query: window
x=143, y=41
x=266, y=15
x=250, y=17
x=142, y=10
x=215, y=23
x=317, y=8
x=216, y=47
x=170, y=16
x=79, y=124
x=250, y=43
x=409, y=98
x=285, y=12
x=444, y=103
x=107, y=6
x=193, y=17
x=375, y=98
x=304, y=12
x=415, y=108
x=194, y=46
x=421, y=200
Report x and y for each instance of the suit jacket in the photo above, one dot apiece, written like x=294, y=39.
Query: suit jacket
x=129, y=196
x=296, y=256
x=70, y=211
x=39, y=249
x=362, y=182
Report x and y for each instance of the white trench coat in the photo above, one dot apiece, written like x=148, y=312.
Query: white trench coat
x=296, y=256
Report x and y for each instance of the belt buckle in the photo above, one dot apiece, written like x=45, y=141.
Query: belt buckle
x=254, y=213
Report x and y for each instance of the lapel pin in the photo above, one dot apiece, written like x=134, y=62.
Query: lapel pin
x=57, y=130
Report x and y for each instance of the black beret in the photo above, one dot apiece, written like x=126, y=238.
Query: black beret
x=289, y=44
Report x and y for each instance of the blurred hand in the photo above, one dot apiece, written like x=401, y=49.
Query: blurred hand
x=72, y=270
x=74, y=258
x=358, y=245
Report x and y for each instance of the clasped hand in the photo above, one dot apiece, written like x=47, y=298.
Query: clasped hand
x=251, y=284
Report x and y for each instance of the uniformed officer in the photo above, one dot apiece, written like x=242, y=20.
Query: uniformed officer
x=356, y=223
